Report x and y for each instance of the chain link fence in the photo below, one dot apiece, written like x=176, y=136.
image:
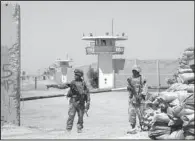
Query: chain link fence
x=155, y=71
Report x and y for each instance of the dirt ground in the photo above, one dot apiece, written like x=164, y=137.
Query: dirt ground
x=46, y=118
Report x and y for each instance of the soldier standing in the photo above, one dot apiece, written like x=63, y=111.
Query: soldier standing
x=137, y=89
x=79, y=99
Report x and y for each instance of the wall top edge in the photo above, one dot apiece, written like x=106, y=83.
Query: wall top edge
x=8, y=3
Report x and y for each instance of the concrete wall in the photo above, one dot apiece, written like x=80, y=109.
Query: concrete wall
x=10, y=64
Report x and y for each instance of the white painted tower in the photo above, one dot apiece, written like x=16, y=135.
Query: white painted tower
x=105, y=47
x=51, y=72
x=62, y=68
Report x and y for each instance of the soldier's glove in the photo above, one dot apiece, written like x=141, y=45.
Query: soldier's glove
x=129, y=89
x=68, y=95
x=69, y=85
x=138, y=98
x=143, y=96
x=130, y=96
x=149, y=103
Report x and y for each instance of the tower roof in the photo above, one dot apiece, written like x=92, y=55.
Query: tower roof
x=67, y=60
x=92, y=38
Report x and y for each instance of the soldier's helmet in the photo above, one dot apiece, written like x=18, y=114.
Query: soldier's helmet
x=136, y=68
x=78, y=72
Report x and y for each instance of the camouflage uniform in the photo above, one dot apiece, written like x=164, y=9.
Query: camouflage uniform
x=77, y=106
x=77, y=101
x=136, y=102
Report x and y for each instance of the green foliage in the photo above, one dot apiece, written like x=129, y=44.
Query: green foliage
x=23, y=73
x=93, y=77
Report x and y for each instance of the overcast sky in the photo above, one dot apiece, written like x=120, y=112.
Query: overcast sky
x=155, y=30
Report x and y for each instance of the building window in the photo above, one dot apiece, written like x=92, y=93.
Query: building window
x=103, y=42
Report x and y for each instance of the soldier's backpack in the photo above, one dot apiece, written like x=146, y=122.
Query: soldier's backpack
x=79, y=89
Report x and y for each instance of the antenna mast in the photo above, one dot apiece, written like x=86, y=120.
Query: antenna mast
x=112, y=27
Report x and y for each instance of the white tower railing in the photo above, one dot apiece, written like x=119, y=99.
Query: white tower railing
x=97, y=50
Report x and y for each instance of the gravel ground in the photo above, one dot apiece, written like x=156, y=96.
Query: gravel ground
x=46, y=118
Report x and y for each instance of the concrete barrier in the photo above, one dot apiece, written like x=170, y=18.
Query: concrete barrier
x=41, y=97
x=61, y=95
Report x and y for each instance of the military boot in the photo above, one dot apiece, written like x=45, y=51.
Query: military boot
x=141, y=127
x=133, y=130
x=68, y=131
x=79, y=130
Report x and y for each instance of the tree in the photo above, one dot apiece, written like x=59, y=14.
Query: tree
x=93, y=77
x=23, y=73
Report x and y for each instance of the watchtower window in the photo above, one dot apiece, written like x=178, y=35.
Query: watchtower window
x=103, y=42
x=110, y=43
x=96, y=42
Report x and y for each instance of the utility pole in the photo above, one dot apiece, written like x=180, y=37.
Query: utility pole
x=158, y=75
x=136, y=62
x=112, y=27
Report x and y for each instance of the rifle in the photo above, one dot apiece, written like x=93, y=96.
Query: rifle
x=138, y=98
x=85, y=99
x=132, y=89
x=86, y=113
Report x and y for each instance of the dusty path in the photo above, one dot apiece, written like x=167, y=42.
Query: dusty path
x=108, y=118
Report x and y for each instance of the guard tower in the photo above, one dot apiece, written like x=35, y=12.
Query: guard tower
x=105, y=47
x=61, y=70
x=51, y=71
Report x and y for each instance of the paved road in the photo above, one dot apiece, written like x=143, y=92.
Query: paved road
x=108, y=117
